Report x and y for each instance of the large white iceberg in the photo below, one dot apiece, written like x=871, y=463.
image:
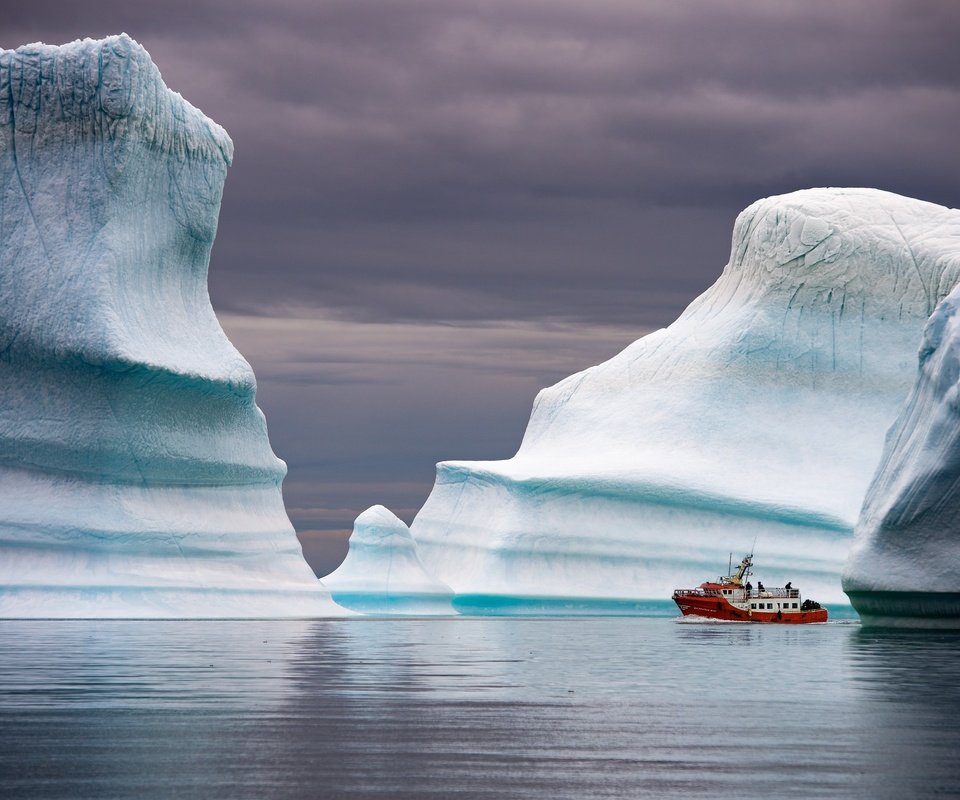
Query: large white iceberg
x=382, y=573
x=904, y=565
x=759, y=415
x=136, y=477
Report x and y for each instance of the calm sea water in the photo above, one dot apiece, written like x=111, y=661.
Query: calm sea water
x=476, y=708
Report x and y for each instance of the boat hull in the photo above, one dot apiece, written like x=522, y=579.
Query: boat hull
x=712, y=607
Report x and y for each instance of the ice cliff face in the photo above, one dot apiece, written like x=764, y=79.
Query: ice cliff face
x=382, y=573
x=760, y=413
x=904, y=566
x=136, y=478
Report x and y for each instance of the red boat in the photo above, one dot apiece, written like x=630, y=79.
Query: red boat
x=733, y=598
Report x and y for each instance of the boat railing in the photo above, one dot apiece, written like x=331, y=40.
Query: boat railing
x=754, y=594
x=775, y=592
x=735, y=594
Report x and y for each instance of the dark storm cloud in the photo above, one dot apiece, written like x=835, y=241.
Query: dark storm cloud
x=439, y=207
x=443, y=160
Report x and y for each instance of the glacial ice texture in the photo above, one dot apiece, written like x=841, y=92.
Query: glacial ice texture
x=904, y=565
x=759, y=414
x=136, y=477
x=382, y=573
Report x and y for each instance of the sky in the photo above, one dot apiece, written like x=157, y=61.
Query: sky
x=438, y=208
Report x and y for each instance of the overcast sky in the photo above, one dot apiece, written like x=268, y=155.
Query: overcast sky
x=437, y=208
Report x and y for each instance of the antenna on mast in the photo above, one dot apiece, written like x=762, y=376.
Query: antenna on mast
x=730, y=564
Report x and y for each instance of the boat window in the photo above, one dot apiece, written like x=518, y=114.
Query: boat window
x=769, y=605
x=753, y=605
x=794, y=605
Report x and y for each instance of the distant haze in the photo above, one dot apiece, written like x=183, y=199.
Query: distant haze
x=438, y=208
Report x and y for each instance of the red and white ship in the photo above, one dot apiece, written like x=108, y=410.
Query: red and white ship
x=732, y=597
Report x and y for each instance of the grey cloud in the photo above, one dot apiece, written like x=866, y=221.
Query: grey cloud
x=494, y=270
x=440, y=160
x=533, y=121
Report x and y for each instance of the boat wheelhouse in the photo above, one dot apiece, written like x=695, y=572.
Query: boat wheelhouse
x=733, y=598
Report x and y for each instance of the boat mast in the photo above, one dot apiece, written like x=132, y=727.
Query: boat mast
x=743, y=570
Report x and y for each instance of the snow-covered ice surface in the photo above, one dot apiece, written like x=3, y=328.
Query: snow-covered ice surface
x=136, y=477
x=382, y=573
x=904, y=565
x=760, y=413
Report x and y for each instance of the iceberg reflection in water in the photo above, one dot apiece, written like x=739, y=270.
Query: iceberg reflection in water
x=484, y=708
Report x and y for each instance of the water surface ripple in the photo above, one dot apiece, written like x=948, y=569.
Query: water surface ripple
x=475, y=708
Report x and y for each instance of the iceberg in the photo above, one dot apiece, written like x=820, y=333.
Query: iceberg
x=758, y=416
x=383, y=574
x=904, y=565
x=136, y=476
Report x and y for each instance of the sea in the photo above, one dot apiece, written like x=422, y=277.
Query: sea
x=476, y=707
